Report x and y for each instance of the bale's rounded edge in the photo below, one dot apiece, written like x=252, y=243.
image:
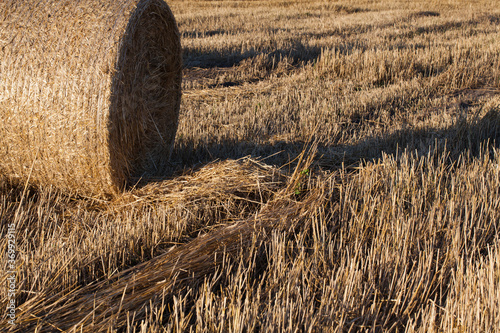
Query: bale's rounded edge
x=145, y=95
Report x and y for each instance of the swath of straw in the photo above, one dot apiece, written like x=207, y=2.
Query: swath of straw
x=106, y=304
x=216, y=181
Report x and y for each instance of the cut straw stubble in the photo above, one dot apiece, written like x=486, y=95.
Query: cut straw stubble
x=97, y=307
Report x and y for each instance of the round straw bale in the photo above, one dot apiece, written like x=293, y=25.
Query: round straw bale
x=89, y=92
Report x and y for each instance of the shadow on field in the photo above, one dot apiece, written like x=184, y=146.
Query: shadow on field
x=471, y=137
x=296, y=52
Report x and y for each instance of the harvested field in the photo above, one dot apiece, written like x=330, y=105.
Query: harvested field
x=336, y=168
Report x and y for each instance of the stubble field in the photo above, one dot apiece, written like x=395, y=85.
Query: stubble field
x=336, y=168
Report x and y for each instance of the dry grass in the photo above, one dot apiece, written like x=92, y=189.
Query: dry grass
x=389, y=222
x=90, y=92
